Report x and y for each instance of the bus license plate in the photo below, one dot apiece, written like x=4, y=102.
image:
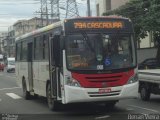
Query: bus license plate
x=105, y=90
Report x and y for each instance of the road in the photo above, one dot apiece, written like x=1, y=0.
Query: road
x=13, y=104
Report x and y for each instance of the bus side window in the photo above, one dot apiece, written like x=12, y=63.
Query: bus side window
x=41, y=48
x=45, y=47
x=36, y=48
x=18, y=51
x=24, y=50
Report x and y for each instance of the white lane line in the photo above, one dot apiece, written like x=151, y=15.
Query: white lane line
x=10, y=88
x=102, y=117
x=11, y=76
x=129, y=109
x=14, y=96
x=144, y=108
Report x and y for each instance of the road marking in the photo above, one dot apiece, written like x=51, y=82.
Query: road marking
x=10, y=88
x=102, y=117
x=129, y=109
x=14, y=96
x=144, y=108
x=11, y=76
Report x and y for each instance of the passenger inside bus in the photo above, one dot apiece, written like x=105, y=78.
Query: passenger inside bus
x=116, y=52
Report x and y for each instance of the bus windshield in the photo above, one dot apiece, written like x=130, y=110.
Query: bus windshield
x=100, y=51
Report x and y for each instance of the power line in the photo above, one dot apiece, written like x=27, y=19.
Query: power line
x=72, y=9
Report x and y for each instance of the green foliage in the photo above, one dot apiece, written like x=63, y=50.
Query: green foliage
x=145, y=15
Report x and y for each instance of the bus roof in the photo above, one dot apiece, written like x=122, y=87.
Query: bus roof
x=43, y=29
x=110, y=16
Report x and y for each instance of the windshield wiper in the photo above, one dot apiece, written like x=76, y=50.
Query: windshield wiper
x=86, y=38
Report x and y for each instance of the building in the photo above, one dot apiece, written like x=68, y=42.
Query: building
x=102, y=6
x=11, y=42
x=24, y=26
x=19, y=28
x=3, y=42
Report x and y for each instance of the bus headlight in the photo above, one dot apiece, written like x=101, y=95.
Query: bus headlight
x=72, y=82
x=133, y=79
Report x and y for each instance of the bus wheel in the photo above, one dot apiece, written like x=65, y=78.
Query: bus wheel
x=26, y=94
x=144, y=93
x=52, y=104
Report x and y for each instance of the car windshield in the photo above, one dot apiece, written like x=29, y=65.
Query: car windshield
x=100, y=51
x=11, y=62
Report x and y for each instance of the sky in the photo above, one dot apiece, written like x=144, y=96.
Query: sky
x=14, y=10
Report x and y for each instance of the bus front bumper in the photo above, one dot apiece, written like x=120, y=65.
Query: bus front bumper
x=78, y=94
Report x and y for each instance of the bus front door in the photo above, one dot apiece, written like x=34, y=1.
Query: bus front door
x=30, y=67
x=54, y=45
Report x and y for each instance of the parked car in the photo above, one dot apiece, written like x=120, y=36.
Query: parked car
x=150, y=63
x=1, y=66
x=10, y=67
x=1, y=62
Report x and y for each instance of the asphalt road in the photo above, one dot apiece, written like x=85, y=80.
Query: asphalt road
x=14, y=107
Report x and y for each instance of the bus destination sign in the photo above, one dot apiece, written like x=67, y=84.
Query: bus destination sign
x=99, y=25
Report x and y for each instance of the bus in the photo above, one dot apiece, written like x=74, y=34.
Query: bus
x=85, y=59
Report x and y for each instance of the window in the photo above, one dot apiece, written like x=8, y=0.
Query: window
x=41, y=47
x=36, y=48
x=24, y=51
x=18, y=51
x=45, y=48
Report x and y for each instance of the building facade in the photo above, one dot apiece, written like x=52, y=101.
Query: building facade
x=24, y=26
x=19, y=28
x=11, y=42
x=3, y=43
x=102, y=6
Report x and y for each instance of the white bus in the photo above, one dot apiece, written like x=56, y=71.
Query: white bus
x=79, y=60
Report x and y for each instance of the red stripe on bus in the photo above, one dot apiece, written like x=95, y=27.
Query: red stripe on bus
x=103, y=80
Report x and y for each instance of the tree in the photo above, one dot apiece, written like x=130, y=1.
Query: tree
x=145, y=15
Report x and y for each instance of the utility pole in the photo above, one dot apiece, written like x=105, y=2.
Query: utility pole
x=44, y=12
x=72, y=9
x=88, y=8
x=55, y=13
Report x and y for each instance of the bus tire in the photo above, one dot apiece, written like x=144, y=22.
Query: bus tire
x=144, y=93
x=26, y=94
x=52, y=104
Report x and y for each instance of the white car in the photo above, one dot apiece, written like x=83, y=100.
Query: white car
x=10, y=65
